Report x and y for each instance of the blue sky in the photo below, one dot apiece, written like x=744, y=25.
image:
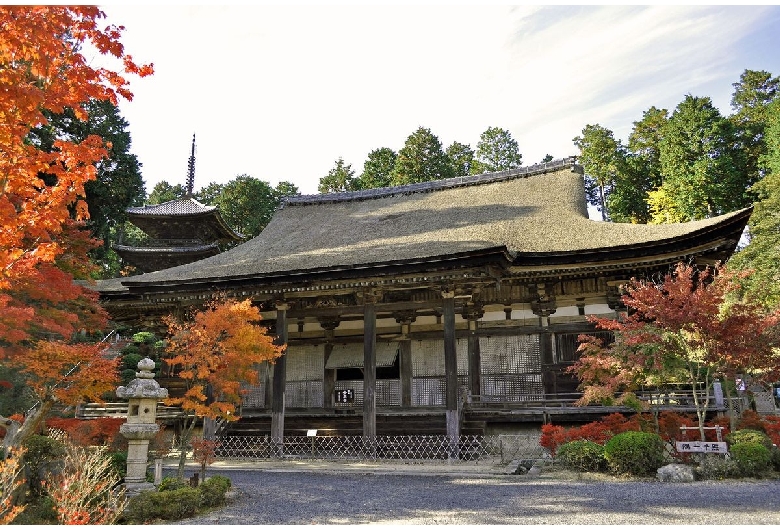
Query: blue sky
x=280, y=93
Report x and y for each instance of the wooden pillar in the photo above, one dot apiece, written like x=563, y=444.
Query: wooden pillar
x=543, y=306
x=451, y=373
x=473, y=313
x=280, y=378
x=328, y=381
x=329, y=376
x=405, y=318
x=369, y=368
x=405, y=366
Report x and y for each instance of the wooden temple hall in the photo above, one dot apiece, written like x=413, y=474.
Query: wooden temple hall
x=436, y=308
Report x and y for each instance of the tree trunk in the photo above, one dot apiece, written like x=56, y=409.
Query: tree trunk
x=186, y=436
x=32, y=423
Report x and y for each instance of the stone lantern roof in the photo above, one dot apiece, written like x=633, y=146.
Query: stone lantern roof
x=144, y=385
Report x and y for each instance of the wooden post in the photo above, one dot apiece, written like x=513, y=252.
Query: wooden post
x=369, y=370
x=472, y=313
x=279, y=380
x=329, y=375
x=405, y=318
x=328, y=380
x=451, y=373
x=475, y=360
x=405, y=366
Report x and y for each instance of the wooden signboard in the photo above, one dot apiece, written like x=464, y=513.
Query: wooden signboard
x=702, y=447
x=345, y=396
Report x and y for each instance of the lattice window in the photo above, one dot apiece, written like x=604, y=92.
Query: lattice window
x=428, y=357
x=254, y=397
x=388, y=392
x=565, y=344
x=512, y=388
x=303, y=394
x=305, y=363
x=514, y=354
x=428, y=391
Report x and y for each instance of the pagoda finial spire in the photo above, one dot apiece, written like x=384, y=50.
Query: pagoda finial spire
x=191, y=169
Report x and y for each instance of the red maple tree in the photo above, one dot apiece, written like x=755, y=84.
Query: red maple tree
x=688, y=328
x=216, y=352
x=42, y=242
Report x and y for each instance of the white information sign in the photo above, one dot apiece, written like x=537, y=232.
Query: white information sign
x=702, y=447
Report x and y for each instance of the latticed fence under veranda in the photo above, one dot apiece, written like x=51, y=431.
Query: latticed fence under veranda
x=492, y=448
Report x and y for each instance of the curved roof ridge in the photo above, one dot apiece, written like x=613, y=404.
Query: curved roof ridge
x=434, y=185
x=181, y=206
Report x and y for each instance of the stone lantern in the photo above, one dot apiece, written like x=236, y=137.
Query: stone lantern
x=143, y=392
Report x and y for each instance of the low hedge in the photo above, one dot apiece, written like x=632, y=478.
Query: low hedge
x=635, y=453
x=582, y=455
x=753, y=458
x=168, y=505
x=749, y=436
x=176, y=501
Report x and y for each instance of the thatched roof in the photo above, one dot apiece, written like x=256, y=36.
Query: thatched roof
x=532, y=212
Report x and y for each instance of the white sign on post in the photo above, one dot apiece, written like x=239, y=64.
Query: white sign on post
x=702, y=447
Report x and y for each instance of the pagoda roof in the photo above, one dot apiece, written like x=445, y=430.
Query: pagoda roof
x=534, y=216
x=149, y=259
x=183, y=217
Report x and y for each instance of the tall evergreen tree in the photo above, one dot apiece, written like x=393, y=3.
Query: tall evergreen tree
x=461, y=157
x=376, y=169
x=761, y=257
x=701, y=166
x=496, y=151
x=247, y=204
x=339, y=178
x=209, y=193
x=421, y=159
x=286, y=189
x=602, y=157
x=163, y=191
x=753, y=94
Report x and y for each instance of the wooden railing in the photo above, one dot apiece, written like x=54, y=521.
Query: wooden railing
x=665, y=399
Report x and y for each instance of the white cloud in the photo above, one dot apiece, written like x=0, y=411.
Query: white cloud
x=281, y=92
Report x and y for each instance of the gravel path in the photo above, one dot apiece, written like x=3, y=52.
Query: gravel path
x=265, y=497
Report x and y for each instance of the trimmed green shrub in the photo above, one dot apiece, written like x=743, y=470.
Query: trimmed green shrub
x=127, y=376
x=213, y=490
x=168, y=505
x=171, y=484
x=130, y=360
x=582, y=455
x=130, y=349
x=749, y=436
x=753, y=459
x=146, y=337
x=635, y=453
